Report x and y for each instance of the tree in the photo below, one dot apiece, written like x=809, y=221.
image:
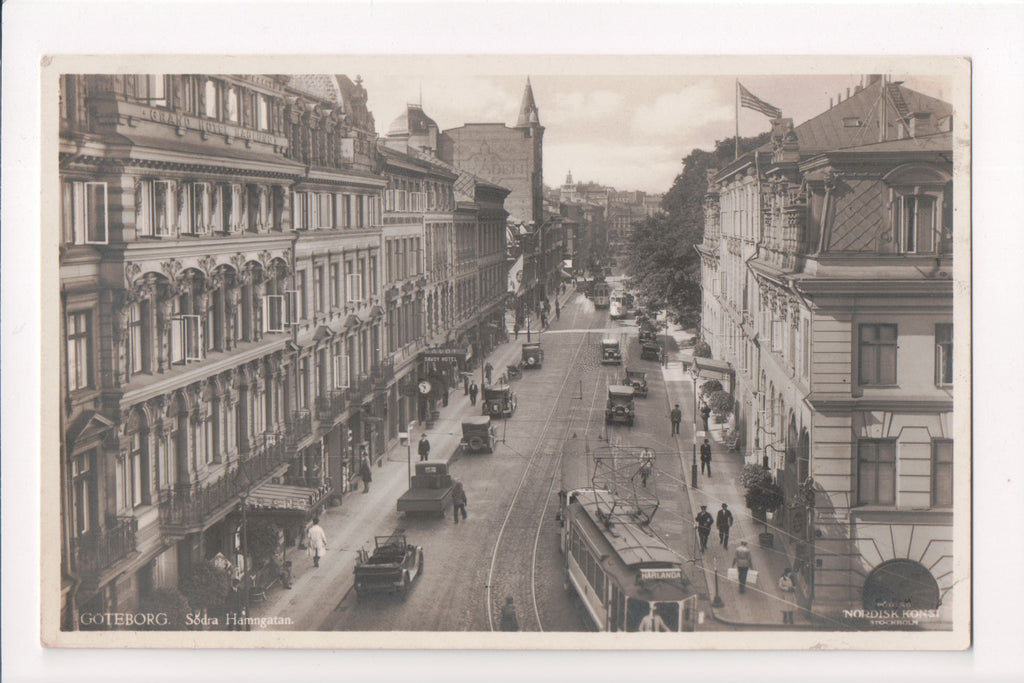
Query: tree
x=169, y=602
x=662, y=264
x=206, y=587
x=721, y=403
x=710, y=387
x=702, y=349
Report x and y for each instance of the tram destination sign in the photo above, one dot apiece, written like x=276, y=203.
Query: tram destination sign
x=661, y=573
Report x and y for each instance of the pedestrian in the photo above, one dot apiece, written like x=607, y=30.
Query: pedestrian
x=705, y=457
x=705, y=413
x=704, y=523
x=459, y=501
x=365, y=473
x=724, y=523
x=558, y=309
x=677, y=417
x=465, y=383
x=786, y=586
x=424, y=447
x=645, y=472
x=515, y=328
x=316, y=541
x=743, y=564
x=509, y=622
x=488, y=368
x=543, y=319
x=473, y=390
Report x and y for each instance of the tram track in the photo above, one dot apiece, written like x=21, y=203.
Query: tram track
x=532, y=494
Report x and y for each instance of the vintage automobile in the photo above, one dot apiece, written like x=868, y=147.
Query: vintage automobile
x=477, y=435
x=619, y=407
x=610, y=351
x=431, y=489
x=499, y=401
x=638, y=380
x=650, y=351
x=648, y=334
x=533, y=355
x=391, y=568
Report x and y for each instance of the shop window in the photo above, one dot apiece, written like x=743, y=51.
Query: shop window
x=876, y=472
x=85, y=212
x=942, y=473
x=877, y=355
x=79, y=348
x=944, y=354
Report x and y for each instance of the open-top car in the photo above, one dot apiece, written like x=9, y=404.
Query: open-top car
x=392, y=566
x=477, y=435
x=619, y=407
x=499, y=401
x=611, y=353
x=638, y=380
x=533, y=355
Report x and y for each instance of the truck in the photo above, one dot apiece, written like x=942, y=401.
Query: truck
x=391, y=568
x=431, y=489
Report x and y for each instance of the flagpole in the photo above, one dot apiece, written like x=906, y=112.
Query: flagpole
x=737, y=92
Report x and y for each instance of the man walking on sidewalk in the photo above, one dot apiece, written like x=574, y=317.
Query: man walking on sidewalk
x=459, y=501
x=724, y=523
x=677, y=416
x=424, y=447
x=705, y=413
x=316, y=541
x=705, y=457
x=488, y=368
x=704, y=521
x=472, y=393
x=365, y=473
x=743, y=564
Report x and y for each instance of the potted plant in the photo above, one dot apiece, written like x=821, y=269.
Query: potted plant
x=763, y=496
x=721, y=404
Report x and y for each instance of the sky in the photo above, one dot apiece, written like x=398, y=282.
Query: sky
x=627, y=131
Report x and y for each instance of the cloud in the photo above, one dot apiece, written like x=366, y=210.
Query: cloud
x=674, y=114
x=646, y=167
x=576, y=107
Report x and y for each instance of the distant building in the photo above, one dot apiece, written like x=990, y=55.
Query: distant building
x=826, y=275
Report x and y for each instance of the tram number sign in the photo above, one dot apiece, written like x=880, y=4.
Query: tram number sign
x=665, y=573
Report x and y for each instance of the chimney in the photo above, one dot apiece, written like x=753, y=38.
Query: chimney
x=847, y=93
x=830, y=103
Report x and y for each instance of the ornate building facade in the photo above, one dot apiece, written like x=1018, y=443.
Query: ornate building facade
x=827, y=262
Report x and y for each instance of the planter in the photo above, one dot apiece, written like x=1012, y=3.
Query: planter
x=766, y=540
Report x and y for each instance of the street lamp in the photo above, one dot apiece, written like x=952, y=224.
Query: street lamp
x=695, y=374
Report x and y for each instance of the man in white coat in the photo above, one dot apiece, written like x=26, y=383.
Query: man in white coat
x=316, y=541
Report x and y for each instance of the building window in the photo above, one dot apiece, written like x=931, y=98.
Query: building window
x=138, y=341
x=354, y=287
x=79, y=362
x=85, y=213
x=944, y=354
x=335, y=285
x=152, y=89
x=876, y=472
x=300, y=278
x=210, y=108
x=197, y=212
x=805, y=349
x=915, y=224
x=262, y=113
x=326, y=209
x=156, y=208
x=318, y=289
x=942, y=473
x=303, y=383
x=86, y=509
x=877, y=357
x=186, y=339
x=231, y=105
x=373, y=274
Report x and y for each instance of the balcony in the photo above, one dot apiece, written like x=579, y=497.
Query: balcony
x=383, y=372
x=94, y=552
x=329, y=407
x=299, y=428
x=188, y=508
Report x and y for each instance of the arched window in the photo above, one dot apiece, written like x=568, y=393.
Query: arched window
x=900, y=584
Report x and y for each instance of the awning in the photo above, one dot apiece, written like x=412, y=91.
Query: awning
x=707, y=366
x=285, y=498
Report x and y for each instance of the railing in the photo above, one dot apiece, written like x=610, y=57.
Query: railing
x=383, y=372
x=301, y=426
x=331, y=406
x=189, y=506
x=94, y=552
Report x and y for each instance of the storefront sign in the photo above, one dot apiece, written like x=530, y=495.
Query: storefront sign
x=207, y=126
x=444, y=353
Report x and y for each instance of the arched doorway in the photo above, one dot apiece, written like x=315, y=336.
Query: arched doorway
x=900, y=584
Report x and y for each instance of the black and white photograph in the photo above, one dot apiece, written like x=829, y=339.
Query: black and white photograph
x=414, y=347
x=522, y=342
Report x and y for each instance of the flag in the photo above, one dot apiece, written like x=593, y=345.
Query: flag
x=749, y=101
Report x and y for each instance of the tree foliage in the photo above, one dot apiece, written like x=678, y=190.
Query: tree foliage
x=721, y=402
x=165, y=601
x=662, y=264
x=702, y=349
x=206, y=587
x=710, y=387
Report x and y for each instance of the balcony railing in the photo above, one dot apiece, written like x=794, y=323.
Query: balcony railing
x=329, y=407
x=94, y=552
x=383, y=372
x=301, y=426
x=190, y=506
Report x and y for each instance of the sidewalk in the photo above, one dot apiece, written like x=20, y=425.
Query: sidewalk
x=352, y=525
x=762, y=604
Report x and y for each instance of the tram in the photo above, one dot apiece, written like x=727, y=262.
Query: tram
x=626, y=578
x=601, y=293
x=621, y=304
